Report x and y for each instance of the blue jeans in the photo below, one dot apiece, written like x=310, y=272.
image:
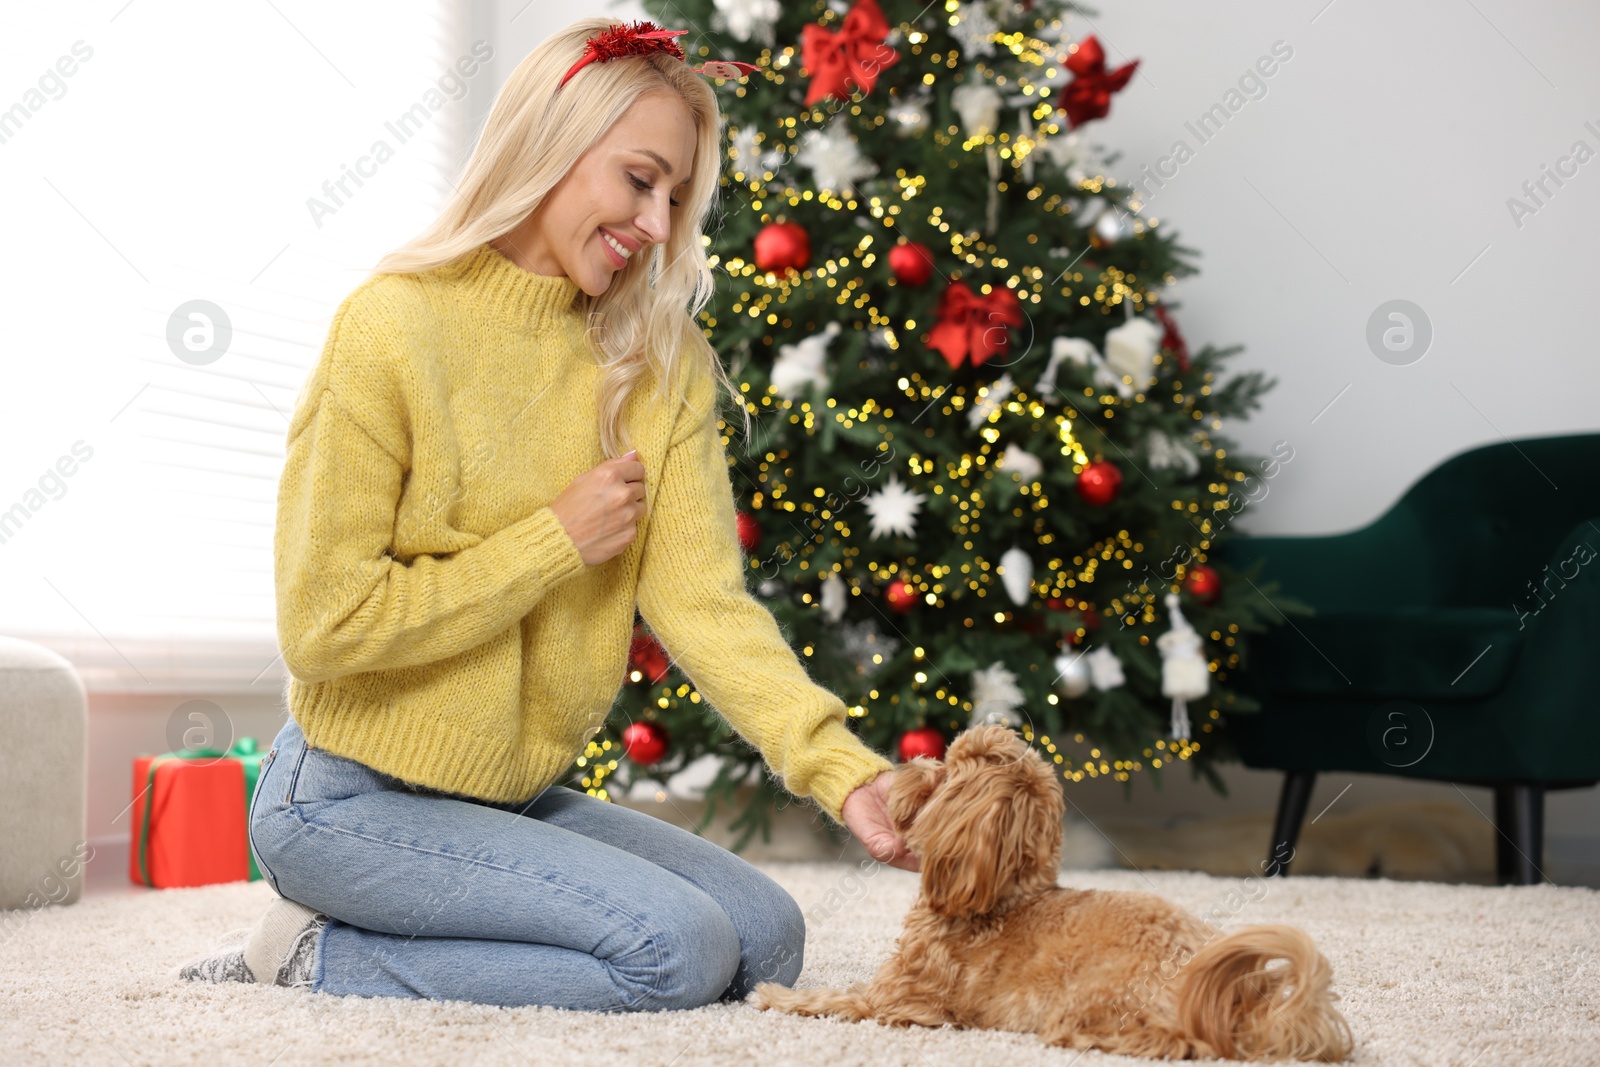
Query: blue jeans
x=565, y=900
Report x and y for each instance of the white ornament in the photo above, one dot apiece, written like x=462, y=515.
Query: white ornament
x=894, y=509
x=992, y=212
x=1168, y=452
x=1105, y=669
x=1065, y=349
x=973, y=29
x=911, y=115
x=770, y=588
x=799, y=366
x=1021, y=462
x=747, y=18
x=996, y=394
x=1184, y=673
x=833, y=597
x=1080, y=353
x=978, y=106
x=862, y=641
x=1131, y=349
x=1073, y=153
x=1112, y=226
x=1016, y=571
x=753, y=163
x=1106, y=378
x=995, y=697
x=1074, y=350
x=1072, y=674
x=835, y=158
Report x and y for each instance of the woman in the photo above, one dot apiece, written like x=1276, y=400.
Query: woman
x=461, y=544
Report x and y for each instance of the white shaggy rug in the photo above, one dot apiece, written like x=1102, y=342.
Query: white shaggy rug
x=1428, y=973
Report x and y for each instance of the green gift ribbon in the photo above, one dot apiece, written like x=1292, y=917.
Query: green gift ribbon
x=244, y=750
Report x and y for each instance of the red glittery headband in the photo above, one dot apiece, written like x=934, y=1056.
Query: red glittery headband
x=646, y=38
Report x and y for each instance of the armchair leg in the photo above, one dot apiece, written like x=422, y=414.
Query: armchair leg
x=1519, y=840
x=1502, y=838
x=1292, y=804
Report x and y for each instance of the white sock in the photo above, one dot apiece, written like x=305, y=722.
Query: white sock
x=275, y=935
x=224, y=964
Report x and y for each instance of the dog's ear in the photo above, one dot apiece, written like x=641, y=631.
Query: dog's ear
x=975, y=852
x=914, y=782
x=998, y=824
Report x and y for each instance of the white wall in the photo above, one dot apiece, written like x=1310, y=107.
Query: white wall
x=1377, y=165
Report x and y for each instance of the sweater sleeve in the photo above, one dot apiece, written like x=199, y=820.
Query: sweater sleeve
x=692, y=594
x=344, y=603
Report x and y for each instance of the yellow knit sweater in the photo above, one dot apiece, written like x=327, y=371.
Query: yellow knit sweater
x=437, y=620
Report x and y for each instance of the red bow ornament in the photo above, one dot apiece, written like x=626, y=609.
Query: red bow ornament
x=972, y=325
x=1088, y=95
x=643, y=38
x=855, y=55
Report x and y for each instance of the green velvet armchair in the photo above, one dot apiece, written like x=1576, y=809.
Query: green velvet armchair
x=1456, y=638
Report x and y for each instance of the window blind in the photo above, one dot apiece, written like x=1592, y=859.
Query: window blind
x=192, y=190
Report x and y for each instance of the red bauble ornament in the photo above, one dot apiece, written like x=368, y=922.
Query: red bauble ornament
x=1204, y=583
x=911, y=262
x=901, y=596
x=782, y=246
x=749, y=530
x=646, y=656
x=645, y=741
x=923, y=741
x=1098, y=482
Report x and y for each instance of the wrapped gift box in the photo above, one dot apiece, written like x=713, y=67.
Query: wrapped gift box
x=190, y=816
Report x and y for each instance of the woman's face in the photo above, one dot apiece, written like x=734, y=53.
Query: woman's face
x=616, y=201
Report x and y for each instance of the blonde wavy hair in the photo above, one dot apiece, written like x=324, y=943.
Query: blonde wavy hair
x=532, y=139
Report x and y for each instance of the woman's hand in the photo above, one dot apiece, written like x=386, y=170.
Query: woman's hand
x=601, y=508
x=866, y=814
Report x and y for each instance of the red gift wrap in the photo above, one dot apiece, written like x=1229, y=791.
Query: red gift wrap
x=195, y=832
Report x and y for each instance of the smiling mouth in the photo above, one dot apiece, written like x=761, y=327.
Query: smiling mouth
x=620, y=250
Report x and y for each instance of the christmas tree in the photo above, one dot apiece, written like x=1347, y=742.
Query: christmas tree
x=985, y=472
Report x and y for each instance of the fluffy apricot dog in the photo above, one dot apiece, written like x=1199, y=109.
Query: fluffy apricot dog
x=991, y=942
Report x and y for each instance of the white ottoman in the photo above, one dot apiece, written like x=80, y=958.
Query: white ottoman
x=44, y=780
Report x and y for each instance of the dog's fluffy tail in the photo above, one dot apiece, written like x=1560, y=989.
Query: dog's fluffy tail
x=1262, y=993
